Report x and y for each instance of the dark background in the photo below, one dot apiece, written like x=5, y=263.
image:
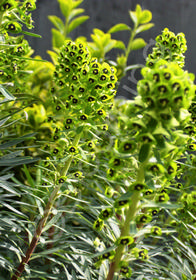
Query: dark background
x=177, y=15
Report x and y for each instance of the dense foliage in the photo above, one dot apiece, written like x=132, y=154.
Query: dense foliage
x=94, y=187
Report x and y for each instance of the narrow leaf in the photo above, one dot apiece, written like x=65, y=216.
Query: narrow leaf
x=57, y=38
x=144, y=27
x=75, y=12
x=31, y=34
x=144, y=152
x=76, y=22
x=65, y=7
x=58, y=23
x=6, y=94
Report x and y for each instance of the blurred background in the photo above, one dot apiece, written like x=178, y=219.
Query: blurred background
x=177, y=15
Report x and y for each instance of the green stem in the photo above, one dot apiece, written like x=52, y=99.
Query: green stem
x=44, y=219
x=125, y=230
x=128, y=50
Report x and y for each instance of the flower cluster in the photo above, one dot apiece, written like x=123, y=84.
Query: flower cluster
x=169, y=47
x=86, y=87
x=13, y=16
x=12, y=11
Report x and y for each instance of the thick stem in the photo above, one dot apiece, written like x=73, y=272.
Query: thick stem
x=125, y=230
x=44, y=219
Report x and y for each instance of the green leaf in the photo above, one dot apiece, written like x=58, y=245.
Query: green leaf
x=137, y=44
x=134, y=17
x=134, y=66
x=53, y=56
x=75, y=12
x=109, y=46
x=66, y=7
x=58, y=23
x=119, y=45
x=75, y=4
x=144, y=152
x=31, y=34
x=98, y=32
x=76, y=22
x=57, y=38
x=145, y=17
x=6, y=94
x=119, y=27
x=144, y=27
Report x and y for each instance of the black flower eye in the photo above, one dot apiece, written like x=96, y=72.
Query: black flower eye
x=150, y=63
x=72, y=53
x=104, y=97
x=83, y=117
x=98, y=87
x=68, y=121
x=112, y=78
x=117, y=161
x=163, y=102
x=162, y=88
x=95, y=65
x=56, y=137
x=74, y=78
x=165, y=43
x=74, y=47
x=61, y=83
x=20, y=49
x=58, y=107
x=6, y=6
x=67, y=69
x=90, y=99
x=79, y=58
x=167, y=76
x=174, y=46
x=74, y=65
x=72, y=149
x=170, y=170
x=80, y=45
x=127, y=146
x=178, y=99
x=176, y=86
x=91, y=80
x=100, y=112
x=154, y=212
x=84, y=72
x=156, y=77
x=172, y=39
x=55, y=151
x=109, y=85
x=61, y=180
x=67, y=60
x=103, y=78
x=154, y=168
x=95, y=71
x=105, y=71
x=11, y=26
x=70, y=96
x=81, y=89
x=81, y=51
x=74, y=100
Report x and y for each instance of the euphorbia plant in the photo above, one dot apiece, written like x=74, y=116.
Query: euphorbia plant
x=107, y=198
